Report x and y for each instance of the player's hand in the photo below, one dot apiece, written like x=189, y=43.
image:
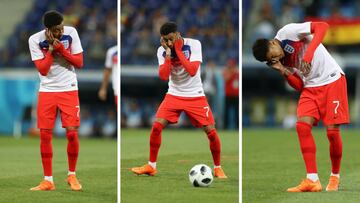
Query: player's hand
x=102, y=94
x=278, y=66
x=49, y=36
x=305, y=68
x=58, y=46
x=178, y=42
x=167, y=49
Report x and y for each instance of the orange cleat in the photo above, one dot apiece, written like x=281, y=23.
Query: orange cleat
x=307, y=185
x=219, y=173
x=145, y=169
x=44, y=185
x=333, y=184
x=74, y=183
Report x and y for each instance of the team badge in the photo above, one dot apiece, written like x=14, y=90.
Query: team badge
x=289, y=49
x=65, y=43
x=186, y=53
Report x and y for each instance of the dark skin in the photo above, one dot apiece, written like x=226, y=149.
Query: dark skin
x=274, y=56
x=53, y=36
x=168, y=42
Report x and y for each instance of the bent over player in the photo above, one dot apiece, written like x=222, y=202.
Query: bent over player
x=56, y=52
x=179, y=62
x=298, y=55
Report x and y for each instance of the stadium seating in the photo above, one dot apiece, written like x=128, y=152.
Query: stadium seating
x=95, y=20
x=214, y=23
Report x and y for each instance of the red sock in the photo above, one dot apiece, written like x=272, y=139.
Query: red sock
x=46, y=151
x=307, y=145
x=72, y=148
x=335, y=148
x=155, y=140
x=215, y=146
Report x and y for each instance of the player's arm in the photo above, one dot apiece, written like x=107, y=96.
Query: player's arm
x=104, y=85
x=43, y=65
x=190, y=66
x=74, y=59
x=293, y=79
x=318, y=29
x=165, y=68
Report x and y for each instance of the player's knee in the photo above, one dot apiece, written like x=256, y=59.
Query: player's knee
x=208, y=128
x=45, y=135
x=71, y=135
x=157, y=128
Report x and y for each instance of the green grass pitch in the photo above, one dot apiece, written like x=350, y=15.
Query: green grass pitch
x=180, y=150
x=272, y=162
x=21, y=169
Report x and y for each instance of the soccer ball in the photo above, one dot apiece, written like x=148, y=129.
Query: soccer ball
x=200, y=175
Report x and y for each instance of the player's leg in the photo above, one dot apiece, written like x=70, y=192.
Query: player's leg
x=215, y=148
x=308, y=114
x=167, y=113
x=336, y=112
x=334, y=137
x=46, y=116
x=199, y=112
x=68, y=103
x=155, y=143
x=308, y=150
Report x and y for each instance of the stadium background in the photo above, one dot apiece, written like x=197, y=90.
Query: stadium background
x=267, y=100
x=272, y=159
x=215, y=25
x=96, y=22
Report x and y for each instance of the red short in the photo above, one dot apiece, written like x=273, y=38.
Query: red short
x=50, y=102
x=196, y=108
x=328, y=102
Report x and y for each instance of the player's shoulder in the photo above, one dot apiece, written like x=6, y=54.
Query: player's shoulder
x=160, y=50
x=112, y=49
x=37, y=37
x=191, y=41
x=293, y=26
x=69, y=30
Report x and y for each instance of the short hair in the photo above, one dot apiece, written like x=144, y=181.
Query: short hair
x=260, y=49
x=167, y=28
x=52, y=18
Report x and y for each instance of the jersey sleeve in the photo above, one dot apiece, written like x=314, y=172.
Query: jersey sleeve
x=35, y=50
x=108, y=60
x=76, y=47
x=294, y=31
x=196, y=54
x=161, y=58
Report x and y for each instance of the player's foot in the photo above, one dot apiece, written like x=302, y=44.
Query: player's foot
x=44, y=185
x=219, y=173
x=333, y=184
x=307, y=185
x=145, y=169
x=74, y=183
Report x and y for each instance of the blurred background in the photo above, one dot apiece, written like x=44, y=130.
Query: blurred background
x=267, y=100
x=96, y=23
x=214, y=23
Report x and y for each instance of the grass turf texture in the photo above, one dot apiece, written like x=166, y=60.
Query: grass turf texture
x=272, y=162
x=21, y=169
x=180, y=151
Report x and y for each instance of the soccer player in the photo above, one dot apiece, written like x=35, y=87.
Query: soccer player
x=298, y=55
x=56, y=52
x=179, y=62
x=110, y=66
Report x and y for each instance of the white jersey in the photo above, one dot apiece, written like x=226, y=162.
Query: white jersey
x=111, y=62
x=180, y=82
x=295, y=38
x=61, y=76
